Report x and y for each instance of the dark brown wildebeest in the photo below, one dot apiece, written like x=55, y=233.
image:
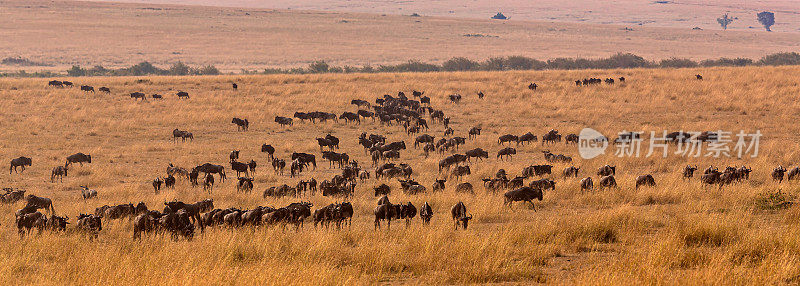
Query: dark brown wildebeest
x=19, y=162
x=177, y=133
x=234, y=156
x=360, y=103
x=711, y=178
x=39, y=203
x=587, y=184
x=240, y=168
x=192, y=210
x=234, y=86
x=537, y=170
x=269, y=150
x=794, y=173
x=438, y=185
x=688, y=172
x=426, y=213
x=208, y=183
x=157, y=185
x=145, y=223
x=424, y=138
x=12, y=196
x=104, y=89
x=182, y=94
x=645, y=180
x=474, y=132
x=78, y=158
x=90, y=224
x=241, y=124
x=68, y=83
x=523, y=194
x=698, y=77
x=455, y=98
x=777, y=174
x=382, y=190
x=459, y=214
x=176, y=171
x=305, y=158
x=571, y=171
x=408, y=211
x=350, y=117
x=278, y=165
x=87, y=193
x=252, y=166
x=157, y=96
x=507, y=138
x=169, y=181
x=138, y=95
x=543, y=184
x=551, y=137
x=506, y=152
x=209, y=168
x=245, y=185
x=607, y=170
x=425, y=100
x=477, y=153
x=481, y=95
x=60, y=172
x=532, y=86
x=27, y=221
x=527, y=138
x=608, y=182
x=459, y=172
x=57, y=223
x=465, y=188
x=55, y=83
x=87, y=88
x=385, y=212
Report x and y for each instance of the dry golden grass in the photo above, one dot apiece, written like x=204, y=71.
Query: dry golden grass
x=66, y=33
x=675, y=233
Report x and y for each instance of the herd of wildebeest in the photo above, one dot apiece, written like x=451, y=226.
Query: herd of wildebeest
x=180, y=219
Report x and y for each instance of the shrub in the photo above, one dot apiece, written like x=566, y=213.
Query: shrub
x=677, y=63
x=460, y=64
x=780, y=59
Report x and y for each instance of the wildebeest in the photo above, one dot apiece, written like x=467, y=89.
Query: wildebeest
x=27, y=221
x=438, y=185
x=350, y=117
x=608, y=182
x=32, y=201
x=587, y=184
x=181, y=134
x=78, y=158
x=688, y=172
x=698, y=77
x=460, y=171
x=481, y=95
x=169, y=181
x=777, y=173
x=360, y=103
x=19, y=162
x=532, y=86
x=104, y=89
x=526, y=138
x=137, y=95
x=537, y=170
x=209, y=168
x=506, y=152
x=507, y=138
x=455, y=98
x=382, y=190
x=523, y=194
x=245, y=185
x=794, y=173
x=208, y=183
x=459, y=214
x=182, y=94
x=90, y=224
x=283, y=121
x=426, y=213
x=157, y=185
x=474, y=132
x=12, y=196
x=465, y=187
x=571, y=171
x=234, y=155
x=571, y=138
x=269, y=150
x=241, y=124
x=278, y=165
x=157, y=96
x=55, y=83
x=305, y=158
x=88, y=193
x=543, y=184
x=645, y=180
x=234, y=86
x=477, y=153
x=385, y=212
x=60, y=172
x=607, y=170
x=87, y=88
x=240, y=168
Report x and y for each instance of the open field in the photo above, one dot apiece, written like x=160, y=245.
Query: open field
x=66, y=33
x=677, y=14
x=676, y=233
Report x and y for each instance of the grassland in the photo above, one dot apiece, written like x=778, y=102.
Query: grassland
x=66, y=33
x=675, y=233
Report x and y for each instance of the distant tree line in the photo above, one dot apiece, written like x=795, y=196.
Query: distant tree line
x=617, y=61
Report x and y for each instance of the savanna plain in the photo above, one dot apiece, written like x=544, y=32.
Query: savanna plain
x=678, y=232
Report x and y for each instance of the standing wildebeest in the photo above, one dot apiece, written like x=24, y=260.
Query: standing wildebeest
x=39, y=203
x=459, y=214
x=571, y=138
x=587, y=184
x=283, y=121
x=104, y=89
x=506, y=152
x=235, y=86
x=382, y=190
x=269, y=150
x=90, y=224
x=645, y=180
x=777, y=173
x=526, y=138
x=794, y=173
x=55, y=83
x=385, y=212
x=305, y=158
x=532, y=86
x=157, y=96
x=209, y=168
x=688, y=172
x=78, y=158
x=608, y=182
x=426, y=213
x=524, y=194
x=607, y=170
x=60, y=172
x=698, y=77
x=234, y=155
x=241, y=124
x=208, y=183
x=68, y=83
x=182, y=94
x=245, y=185
x=240, y=168
x=87, y=193
x=278, y=165
x=27, y=221
x=169, y=181
x=477, y=153
x=87, y=88
x=455, y=98
x=571, y=171
x=460, y=171
x=481, y=95
x=507, y=138
x=465, y=188
x=19, y=162
x=252, y=165
x=137, y=95
x=474, y=132
x=438, y=185
x=157, y=185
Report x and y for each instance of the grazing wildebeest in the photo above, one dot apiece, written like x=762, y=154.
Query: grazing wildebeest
x=537, y=170
x=424, y=138
x=382, y=190
x=283, y=121
x=60, y=172
x=78, y=158
x=607, y=170
x=137, y=95
x=460, y=171
x=698, y=77
x=269, y=150
x=87, y=193
x=506, y=152
x=438, y=185
x=465, y=188
x=245, y=185
x=55, y=83
x=507, y=138
x=208, y=183
x=305, y=158
x=87, y=88
x=28, y=221
x=777, y=173
x=104, y=89
x=39, y=203
x=455, y=98
x=57, y=223
x=543, y=184
x=526, y=138
x=587, y=184
x=532, y=86
x=181, y=134
x=278, y=165
x=523, y=194
x=571, y=171
x=459, y=214
x=241, y=124
x=19, y=162
x=794, y=173
x=426, y=213
x=608, y=182
x=688, y=172
x=209, y=168
x=477, y=153
x=645, y=180
x=157, y=185
x=474, y=132
x=182, y=94
x=90, y=224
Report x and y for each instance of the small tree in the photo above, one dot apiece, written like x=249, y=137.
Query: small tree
x=725, y=21
x=767, y=19
x=318, y=67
